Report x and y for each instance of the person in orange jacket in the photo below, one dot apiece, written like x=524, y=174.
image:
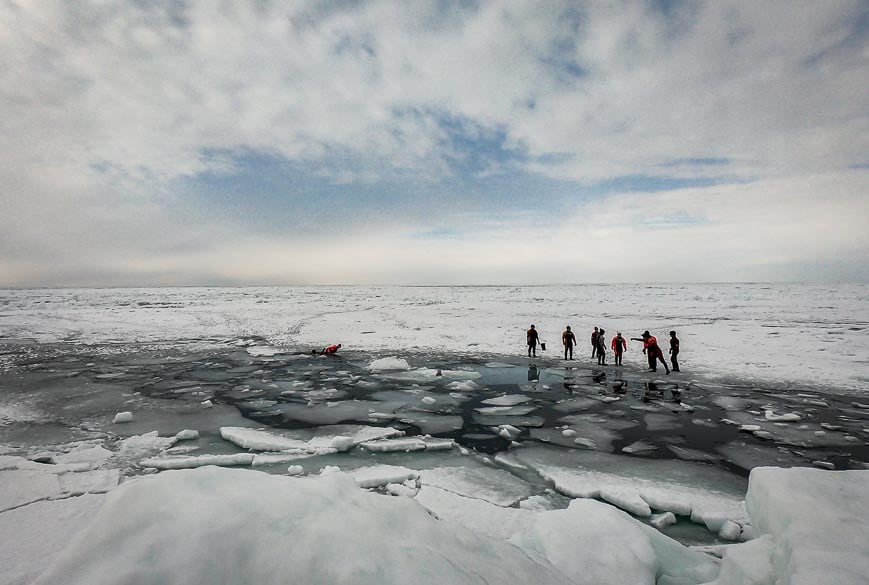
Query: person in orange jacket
x=652, y=350
x=619, y=345
x=331, y=349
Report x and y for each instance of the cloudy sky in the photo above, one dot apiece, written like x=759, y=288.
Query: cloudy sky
x=256, y=142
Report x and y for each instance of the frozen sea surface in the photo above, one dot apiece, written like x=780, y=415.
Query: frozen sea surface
x=782, y=333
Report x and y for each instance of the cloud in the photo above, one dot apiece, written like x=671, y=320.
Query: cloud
x=107, y=106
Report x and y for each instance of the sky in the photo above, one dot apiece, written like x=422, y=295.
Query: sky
x=427, y=143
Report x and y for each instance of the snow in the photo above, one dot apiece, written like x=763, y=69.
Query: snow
x=818, y=522
x=236, y=538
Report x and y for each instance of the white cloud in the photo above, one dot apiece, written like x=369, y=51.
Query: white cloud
x=105, y=103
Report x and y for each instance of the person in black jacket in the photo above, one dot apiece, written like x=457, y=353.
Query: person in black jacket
x=601, y=348
x=674, y=351
x=532, y=338
x=568, y=339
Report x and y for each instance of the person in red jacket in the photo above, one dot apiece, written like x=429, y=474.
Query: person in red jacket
x=619, y=345
x=653, y=351
x=331, y=349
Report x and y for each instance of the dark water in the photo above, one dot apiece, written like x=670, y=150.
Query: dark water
x=54, y=393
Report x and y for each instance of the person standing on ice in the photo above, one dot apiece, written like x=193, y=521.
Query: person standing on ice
x=594, y=336
x=652, y=350
x=674, y=351
x=532, y=338
x=568, y=339
x=601, y=348
x=619, y=345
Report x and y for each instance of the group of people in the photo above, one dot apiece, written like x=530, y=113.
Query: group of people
x=618, y=345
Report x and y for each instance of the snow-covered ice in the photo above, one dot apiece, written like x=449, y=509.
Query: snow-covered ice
x=818, y=522
x=776, y=332
x=380, y=539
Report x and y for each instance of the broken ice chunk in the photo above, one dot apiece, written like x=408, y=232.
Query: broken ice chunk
x=388, y=364
x=627, y=500
x=730, y=530
x=390, y=445
x=787, y=417
x=295, y=470
x=198, y=461
x=380, y=475
x=123, y=417
x=507, y=400
x=509, y=432
x=187, y=435
x=661, y=520
x=639, y=447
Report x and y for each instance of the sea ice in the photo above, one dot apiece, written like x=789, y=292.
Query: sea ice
x=98, y=481
x=187, y=435
x=592, y=543
x=749, y=563
x=748, y=456
x=709, y=495
x=661, y=422
x=295, y=470
x=474, y=514
x=259, y=440
x=495, y=486
x=692, y=454
x=235, y=538
x=639, y=447
x=198, y=461
x=787, y=417
x=816, y=538
x=33, y=535
x=391, y=445
x=431, y=423
x=388, y=364
x=507, y=400
x=730, y=530
x=123, y=417
x=380, y=475
x=23, y=486
x=659, y=521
